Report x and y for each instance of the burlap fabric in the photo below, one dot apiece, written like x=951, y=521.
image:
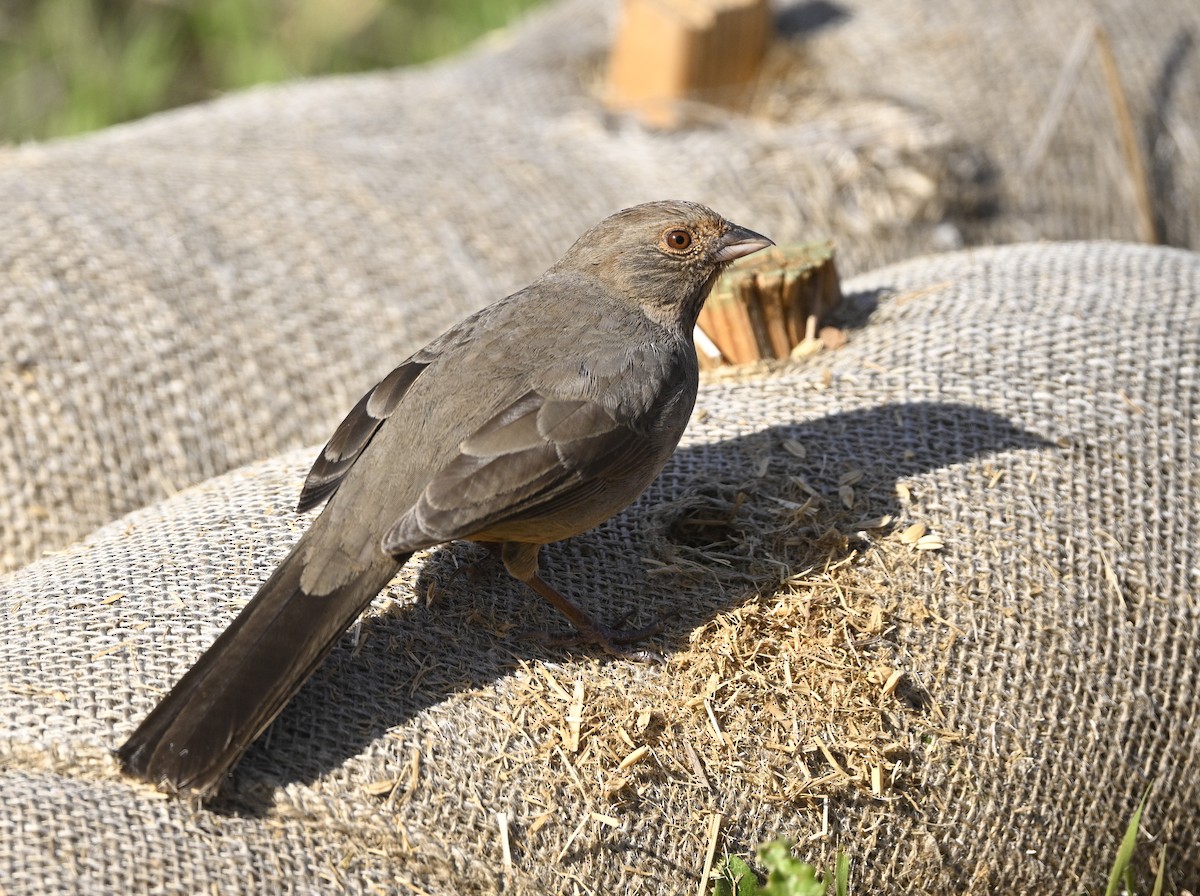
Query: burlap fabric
x=200, y=290
x=1035, y=407
x=1023, y=84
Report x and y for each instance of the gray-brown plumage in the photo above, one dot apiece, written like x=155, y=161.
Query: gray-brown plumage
x=530, y=421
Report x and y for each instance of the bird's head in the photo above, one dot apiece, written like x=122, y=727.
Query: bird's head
x=663, y=256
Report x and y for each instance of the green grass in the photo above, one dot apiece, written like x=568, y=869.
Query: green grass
x=789, y=876
x=68, y=66
x=786, y=875
x=1120, y=877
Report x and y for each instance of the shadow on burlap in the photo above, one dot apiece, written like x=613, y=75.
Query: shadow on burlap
x=978, y=711
x=203, y=289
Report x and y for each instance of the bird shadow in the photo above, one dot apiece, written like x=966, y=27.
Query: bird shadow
x=417, y=654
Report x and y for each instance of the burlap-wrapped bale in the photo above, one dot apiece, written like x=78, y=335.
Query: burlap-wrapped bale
x=187, y=294
x=1024, y=85
x=931, y=596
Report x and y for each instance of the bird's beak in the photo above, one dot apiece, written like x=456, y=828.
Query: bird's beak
x=737, y=242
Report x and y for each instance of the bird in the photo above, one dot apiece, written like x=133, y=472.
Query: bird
x=530, y=421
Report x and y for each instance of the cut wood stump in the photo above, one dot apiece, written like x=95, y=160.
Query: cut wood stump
x=769, y=306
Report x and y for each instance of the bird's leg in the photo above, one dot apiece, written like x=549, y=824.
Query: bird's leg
x=521, y=561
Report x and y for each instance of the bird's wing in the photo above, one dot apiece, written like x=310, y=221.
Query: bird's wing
x=354, y=434
x=535, y=457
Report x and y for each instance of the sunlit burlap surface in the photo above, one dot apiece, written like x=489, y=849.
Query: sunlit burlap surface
x=978, y=711
x=200, y=290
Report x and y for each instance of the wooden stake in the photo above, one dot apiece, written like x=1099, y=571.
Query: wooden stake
x=670, y=51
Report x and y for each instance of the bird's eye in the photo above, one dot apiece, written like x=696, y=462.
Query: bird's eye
x=677, y=240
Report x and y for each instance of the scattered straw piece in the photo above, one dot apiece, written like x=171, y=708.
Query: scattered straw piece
x=553, y=682
x=893, y=680
x=575, y=717
x=710, y=854
x=111, y=649
x=712, y=718
x=505, y=848
x=606, y=820
x=877, y=780
x=412, y=887
x=837, y=767
x=904, y=298
x=379, y=788
x=832, y=338
x=540, y=822
x=875, y=522
x=697, y=765
x=929, y=543
x=795, y=449
x=414, y=772
x=635, y=757
x=571, y=771
x=574, y=836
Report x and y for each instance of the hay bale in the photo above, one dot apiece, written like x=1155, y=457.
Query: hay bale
x=187, y=294
x=165, y=285
x=930, y=596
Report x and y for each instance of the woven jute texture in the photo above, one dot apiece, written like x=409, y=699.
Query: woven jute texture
x=203, y=289
x=931, y=596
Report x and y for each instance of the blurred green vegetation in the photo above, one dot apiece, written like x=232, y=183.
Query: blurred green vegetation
x=75, y=65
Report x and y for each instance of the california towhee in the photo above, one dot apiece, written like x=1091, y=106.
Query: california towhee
x=532, y=420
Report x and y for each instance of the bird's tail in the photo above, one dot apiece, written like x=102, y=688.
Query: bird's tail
x=239, y=685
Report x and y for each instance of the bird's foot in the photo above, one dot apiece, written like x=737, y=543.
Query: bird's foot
x=588, y=631
x=611, y=639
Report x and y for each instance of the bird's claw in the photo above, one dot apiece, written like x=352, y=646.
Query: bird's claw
x=609, y=639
